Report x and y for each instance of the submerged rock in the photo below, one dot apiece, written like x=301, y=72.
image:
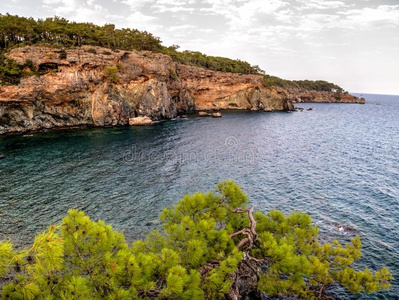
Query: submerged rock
x=344, y=229
x=2, y=156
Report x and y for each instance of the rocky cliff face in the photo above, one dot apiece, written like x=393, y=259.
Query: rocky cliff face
x=77, y=91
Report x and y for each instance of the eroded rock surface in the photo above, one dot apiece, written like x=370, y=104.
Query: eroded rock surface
x=78, y=90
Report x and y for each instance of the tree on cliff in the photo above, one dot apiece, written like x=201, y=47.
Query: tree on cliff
x=58, y=32
x=212, y=246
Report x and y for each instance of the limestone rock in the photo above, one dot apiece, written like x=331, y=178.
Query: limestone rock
x=75, y=91
x=140, y=121
x=217, y=114
x=203, y=114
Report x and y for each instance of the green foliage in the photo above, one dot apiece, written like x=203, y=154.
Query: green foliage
x=111, y=74
x=29, y=64
x=91, y=50
x=214, y=63
x=172, y=74
x=318, y=85
x=196, y=256
x=10, y=71
x=63, y=54
x=60, y=33
x=120, y=67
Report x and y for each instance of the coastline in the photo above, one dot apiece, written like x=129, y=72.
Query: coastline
x=90, y=88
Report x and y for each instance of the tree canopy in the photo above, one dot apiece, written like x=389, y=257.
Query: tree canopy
x=211, y=246
x=307, y=85
x=58, y=32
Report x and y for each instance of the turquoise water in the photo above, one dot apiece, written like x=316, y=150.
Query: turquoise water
x=338, y=162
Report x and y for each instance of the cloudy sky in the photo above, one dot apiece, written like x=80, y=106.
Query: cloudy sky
x=354, y=43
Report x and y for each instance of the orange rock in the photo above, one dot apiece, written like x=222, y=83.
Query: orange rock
x=75, y=91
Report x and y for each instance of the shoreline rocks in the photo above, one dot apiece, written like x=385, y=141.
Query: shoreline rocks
x=203, y=114
x=216, y=114
x=141, y=121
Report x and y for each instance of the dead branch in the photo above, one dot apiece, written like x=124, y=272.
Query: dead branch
x=250, y=231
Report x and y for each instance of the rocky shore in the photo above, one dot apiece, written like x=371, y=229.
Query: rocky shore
x=98, y=87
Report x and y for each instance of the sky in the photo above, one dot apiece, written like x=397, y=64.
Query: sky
x=353, y=43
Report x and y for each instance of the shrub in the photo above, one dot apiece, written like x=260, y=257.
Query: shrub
x=63, y=54
x=56, y=46
x=92, y=50
x=111, y=73
x=172, y=74
x=106, y=53
x=51, y=55
x=10, y=71
x=121, y=67
x=211, y=247
x=29, y=63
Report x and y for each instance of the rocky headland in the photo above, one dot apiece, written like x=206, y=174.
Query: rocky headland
x=95, y=86
x=303, y=96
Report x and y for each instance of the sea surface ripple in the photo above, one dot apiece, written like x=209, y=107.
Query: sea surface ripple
x=338, y=162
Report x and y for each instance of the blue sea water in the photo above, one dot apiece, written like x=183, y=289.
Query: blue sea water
x=338, y=162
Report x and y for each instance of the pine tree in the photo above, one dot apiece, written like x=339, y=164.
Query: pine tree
x=211, y=246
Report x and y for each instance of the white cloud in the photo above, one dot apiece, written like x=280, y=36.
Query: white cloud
x=381, y=15
x=76, y=10
x=283, y=35
x=321, y=4
x=136, y=4
x=166, y=8
x=140, y=20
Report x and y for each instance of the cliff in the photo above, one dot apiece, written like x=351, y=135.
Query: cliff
x=97, y=87
x=94, y=86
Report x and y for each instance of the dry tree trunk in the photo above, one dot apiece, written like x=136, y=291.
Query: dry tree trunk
x=245, y=278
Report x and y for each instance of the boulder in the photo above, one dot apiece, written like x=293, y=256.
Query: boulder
x=217, y=114
x=203, y=114
x=2, y=156
x=140, y=121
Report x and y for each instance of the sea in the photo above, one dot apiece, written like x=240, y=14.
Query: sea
x=337, y=162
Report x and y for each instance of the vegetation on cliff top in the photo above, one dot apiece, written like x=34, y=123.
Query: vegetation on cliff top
x=58, y=32
x=307, y=85
x=211, y=247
